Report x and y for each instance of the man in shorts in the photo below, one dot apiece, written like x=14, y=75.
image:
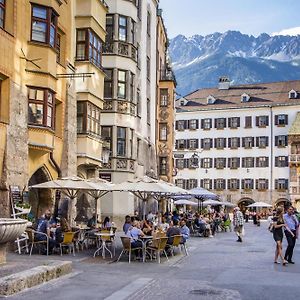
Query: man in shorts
x=238, y=223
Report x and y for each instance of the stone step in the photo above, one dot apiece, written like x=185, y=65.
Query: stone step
x=18, y=282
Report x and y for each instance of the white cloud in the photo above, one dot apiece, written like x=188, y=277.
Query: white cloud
x=291, y=31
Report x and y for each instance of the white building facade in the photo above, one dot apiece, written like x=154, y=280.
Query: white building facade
x=234, y=141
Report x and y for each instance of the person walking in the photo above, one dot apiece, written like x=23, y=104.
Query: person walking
x=277, y=228
x=247, y=213
x=290, y=233
x=238, y=223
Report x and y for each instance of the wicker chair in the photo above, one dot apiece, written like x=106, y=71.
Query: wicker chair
x=33, y=242
x=68, y=241
x=158, y=246
x=175, y=243
x=126, y=242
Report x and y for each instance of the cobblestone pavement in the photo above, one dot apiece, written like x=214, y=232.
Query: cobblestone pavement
x=217, y=268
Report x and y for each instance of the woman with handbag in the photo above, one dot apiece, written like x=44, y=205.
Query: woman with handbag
x=277, y=229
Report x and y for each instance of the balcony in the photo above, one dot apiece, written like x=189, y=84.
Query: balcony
x=120, y=107
x=294, y=159
x=120, y=164
x=120, y=48
x=167, y=75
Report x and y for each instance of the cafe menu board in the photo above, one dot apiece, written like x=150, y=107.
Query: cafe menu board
x=15, y=194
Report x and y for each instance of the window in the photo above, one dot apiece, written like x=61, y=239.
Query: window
x=248, y=122
x=220, y=123
x=262, y=162
x=106, y=133
x=122, y=28
x=262, y=121
x=262, y=184
x=109, y=28
x=179, y=183
x=233, y=162
x=248, y=162
x=58, y=48
x=233, y=184
x=262, y=141
x=220, y=143
x=163, y=131
x=248, y=142
x=2, y=13
x=247, y=184
x=89, y=47
x=121, y=141
x=234, y=143
x=234, y=122
x=138, y=103
x=219, y=184
x=181, y=125
x=193, y=183
x=206, y=124
x=281, y=141
x=131, y=87
x=44, y=25
x=293, y=94
x=131, y=137
x=281, y=120
x=206, y=183
x=206, y=144
x=206, y=163
x=220, y=163
x=139, y=7
x=148, y=23
x=41, y=106
x=281, y=161
x=193, y=144
x=163, y=166
x=148, y=68
x=193, y=124
x=132, y=31
x=88, y=118
x=108, y=83
x=181, y=144
x=281, y=184
x=194, y=162
x=122, y=91
x=148, y=112
x=164, y=97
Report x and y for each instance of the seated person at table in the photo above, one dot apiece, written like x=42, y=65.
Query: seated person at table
x=106, y=224
x=173, y=230
x=44, y=227
x=134, y=233
x=92, y=222
x=64, y=227
x=184, y=230
x=164, y=225
x=147, y=227
x=127, y=224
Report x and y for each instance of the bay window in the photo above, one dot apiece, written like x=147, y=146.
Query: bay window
x=44, y=25
x=41, y=106
x=121, y=141
x=108, y=83
x=122, y=28
x=106, y=133
x=89, y=46
x=122, y=84
x=88, y=118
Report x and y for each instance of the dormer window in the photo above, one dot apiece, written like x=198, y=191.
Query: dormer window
x=293, y=94
x=245, y=98
x=211, y=99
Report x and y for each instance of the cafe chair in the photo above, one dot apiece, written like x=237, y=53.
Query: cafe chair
x=68, y=241
x=175, y=243
x=126, y=242
x=158, y=246
x=35, y=243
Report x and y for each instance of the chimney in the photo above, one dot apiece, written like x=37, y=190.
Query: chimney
x=224, y=83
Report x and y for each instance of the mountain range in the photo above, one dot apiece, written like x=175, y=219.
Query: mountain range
x=199, y=61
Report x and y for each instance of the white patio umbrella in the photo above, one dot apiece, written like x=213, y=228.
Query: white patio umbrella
x=211, y=203
x=144, y=188
x=185, y=202
x=70, y=186
x=259, y=204
x=227, y=204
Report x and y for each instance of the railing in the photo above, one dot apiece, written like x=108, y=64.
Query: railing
x=119, y=106
x=167, y=74
x=120, y=48
x=121, y=164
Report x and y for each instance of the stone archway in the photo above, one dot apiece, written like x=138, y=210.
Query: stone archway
x=244, y=202
x=40, y=199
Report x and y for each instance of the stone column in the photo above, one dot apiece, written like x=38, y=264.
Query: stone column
x=2, y=253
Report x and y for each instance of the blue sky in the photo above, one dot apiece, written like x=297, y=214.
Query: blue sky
x=202, y=17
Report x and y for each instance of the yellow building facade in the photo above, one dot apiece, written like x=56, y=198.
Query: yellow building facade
x=45, y=46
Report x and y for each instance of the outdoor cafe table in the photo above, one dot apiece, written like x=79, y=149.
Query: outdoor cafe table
x=145, y=239
x=103, y=247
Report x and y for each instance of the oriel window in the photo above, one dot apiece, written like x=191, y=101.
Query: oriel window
x=108, y=83
x=122, y=76
x=44, y=25
x=122, y=28
x=121, y=141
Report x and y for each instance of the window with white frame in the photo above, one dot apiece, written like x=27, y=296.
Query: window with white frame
x=233, y=184
x=248, y=162
x=206, y=124
x=193, y=144
x=220, y=184
x=220, y=162
x=247, y=184
x=206, y=163
x=233, y=162
x=206, y=143
x=262, y=184
x=193, y=124
x=220, y=143
x=262, y=162
x=281, y=141
x=179, y=163
x=262, y=141
x=281, y=184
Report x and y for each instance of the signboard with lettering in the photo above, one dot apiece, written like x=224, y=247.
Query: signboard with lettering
x=105, y=176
